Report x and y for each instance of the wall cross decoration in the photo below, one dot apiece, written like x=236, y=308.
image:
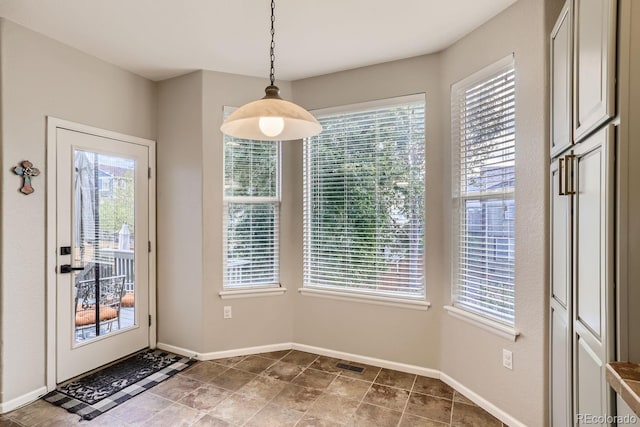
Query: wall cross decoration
x=26, y=171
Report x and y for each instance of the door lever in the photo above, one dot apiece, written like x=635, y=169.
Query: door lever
x=66, y=268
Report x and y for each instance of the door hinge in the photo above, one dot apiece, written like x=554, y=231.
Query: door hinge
x=149, y=172
x=149, y=320
x=149, y=245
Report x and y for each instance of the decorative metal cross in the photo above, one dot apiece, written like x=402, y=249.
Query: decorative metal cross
x=26, y=171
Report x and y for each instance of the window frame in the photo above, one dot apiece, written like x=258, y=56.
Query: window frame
x=480, y=317
x=354, y=293
x=258, y=289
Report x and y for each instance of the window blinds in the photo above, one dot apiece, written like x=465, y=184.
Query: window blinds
x=483, y=135
x=364, y=201
x=251, y=212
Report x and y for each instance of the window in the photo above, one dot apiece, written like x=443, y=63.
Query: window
x=364, y=200
x=251, y=212
x=483, y=137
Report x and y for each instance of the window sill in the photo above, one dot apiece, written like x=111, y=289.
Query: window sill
x=489, y=325
x=366, y=298
x=252, y=292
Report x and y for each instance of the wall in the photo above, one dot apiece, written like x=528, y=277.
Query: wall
x=179, y=211
x=258, y=320
x=41, y=77
x=2, y=347
x=628, y=156
x=191, y=183
x=385, y=332
x=633, y=234
x=435, y=339
x=519, y=29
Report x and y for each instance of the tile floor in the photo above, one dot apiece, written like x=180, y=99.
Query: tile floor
x=284, y=388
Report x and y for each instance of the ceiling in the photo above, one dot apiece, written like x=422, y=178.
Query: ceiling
x=159, y=39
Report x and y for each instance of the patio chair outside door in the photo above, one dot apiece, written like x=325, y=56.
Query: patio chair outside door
x=102, y=186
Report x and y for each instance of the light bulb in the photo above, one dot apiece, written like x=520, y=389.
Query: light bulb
x=271, y=126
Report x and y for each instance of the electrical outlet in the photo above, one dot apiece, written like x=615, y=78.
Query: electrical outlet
x=227, y=312
x=507, y=358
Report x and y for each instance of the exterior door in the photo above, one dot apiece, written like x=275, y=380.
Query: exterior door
x=102, y=250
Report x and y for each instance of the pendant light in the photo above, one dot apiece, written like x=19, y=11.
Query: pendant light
x=271, y=118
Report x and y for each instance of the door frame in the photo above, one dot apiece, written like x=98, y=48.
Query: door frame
x=53, y=124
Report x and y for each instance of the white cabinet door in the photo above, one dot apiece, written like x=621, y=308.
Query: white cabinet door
x=593, y=272
x=594, y=65
x=560, y=369
x=560, y=233
x=626, y=416
x=561, y=74
x=560, y=309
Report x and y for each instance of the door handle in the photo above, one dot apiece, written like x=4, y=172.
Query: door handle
x=66, y=268
x=568, y=175
x=560, y=162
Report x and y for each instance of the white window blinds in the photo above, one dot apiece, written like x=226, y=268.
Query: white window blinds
x=364, y=200
x=483, y=136
x=251, y=212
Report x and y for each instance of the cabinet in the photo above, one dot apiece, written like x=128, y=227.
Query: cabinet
x=594, y=61
x=560, y=310
x=592, y=189
x=582, y=200
x=582, y=267
x=561, y=82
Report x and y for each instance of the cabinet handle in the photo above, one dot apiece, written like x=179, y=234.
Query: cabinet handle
x=560, y=162
x=568, y=175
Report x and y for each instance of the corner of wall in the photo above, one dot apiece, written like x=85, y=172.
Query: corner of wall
x=2, y=322
x=519, y=29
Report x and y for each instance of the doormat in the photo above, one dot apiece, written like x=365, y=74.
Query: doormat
x=105, y=389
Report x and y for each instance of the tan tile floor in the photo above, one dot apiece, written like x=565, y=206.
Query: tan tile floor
x=283, y=388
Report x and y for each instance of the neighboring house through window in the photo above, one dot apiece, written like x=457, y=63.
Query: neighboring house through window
x=251, y=212
x=364, y=193
x=483, y=146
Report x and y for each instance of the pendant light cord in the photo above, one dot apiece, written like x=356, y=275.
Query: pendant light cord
x=273, y=43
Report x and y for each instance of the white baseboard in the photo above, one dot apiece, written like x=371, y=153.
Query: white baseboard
x=22, y=400
x=482, y=402
x=403, y=367
x=225, y=353
x=382, y=363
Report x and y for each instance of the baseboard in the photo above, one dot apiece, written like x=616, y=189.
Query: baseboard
x=224, y=353
x=403, y=367
x=412, y=369
x=22, y=400
x=382, y=363
x=482, y=402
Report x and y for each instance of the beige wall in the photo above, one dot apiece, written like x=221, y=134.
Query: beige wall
x=257, y=320
x=434, y=339
x=629, y=181
x=179, y=212
x=521, y=391
x=41, y=77
x=633, y=233
x=392, y=333
x=190, y=208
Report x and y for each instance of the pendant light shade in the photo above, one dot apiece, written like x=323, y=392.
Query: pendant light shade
x=271, y=118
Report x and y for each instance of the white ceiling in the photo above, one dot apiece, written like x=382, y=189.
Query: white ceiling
x=159, y=39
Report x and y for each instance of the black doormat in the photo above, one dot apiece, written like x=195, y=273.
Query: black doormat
x=96, y=393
